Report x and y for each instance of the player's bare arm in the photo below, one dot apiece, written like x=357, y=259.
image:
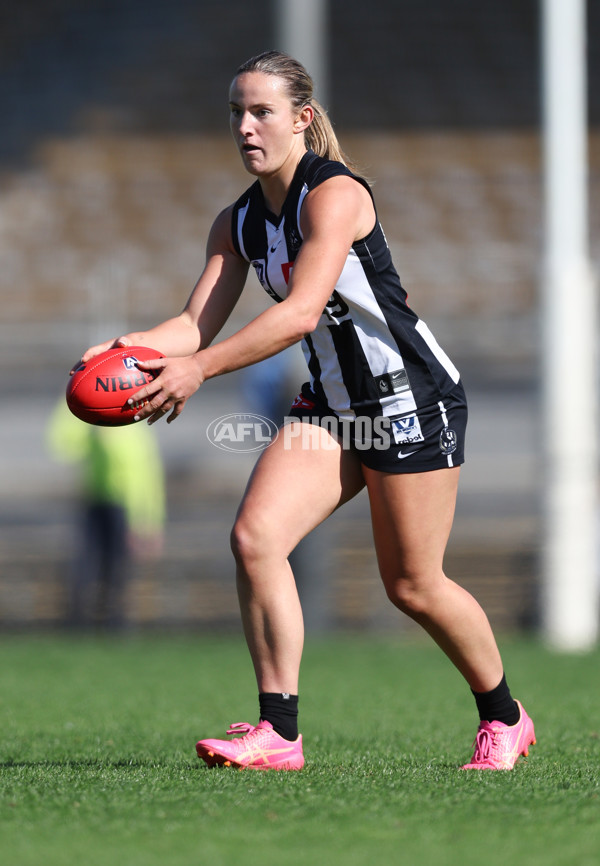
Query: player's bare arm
x=330, y=225
x=208, y=308
x=334, y=215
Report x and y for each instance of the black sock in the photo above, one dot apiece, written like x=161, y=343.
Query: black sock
x=497, y=705
x=281, y=710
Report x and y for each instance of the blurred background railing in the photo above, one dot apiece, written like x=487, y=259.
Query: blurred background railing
x=114, y=159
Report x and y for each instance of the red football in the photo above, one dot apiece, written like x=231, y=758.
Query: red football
x=99, y=389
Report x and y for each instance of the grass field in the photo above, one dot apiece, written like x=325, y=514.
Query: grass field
x=97, y=760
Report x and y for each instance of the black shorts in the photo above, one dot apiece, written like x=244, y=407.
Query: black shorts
x=431, y=438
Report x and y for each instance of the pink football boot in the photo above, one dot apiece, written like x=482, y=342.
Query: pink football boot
x=261, y=748
x=498, y=746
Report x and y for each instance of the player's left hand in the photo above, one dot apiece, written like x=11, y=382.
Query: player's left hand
x=174, y=385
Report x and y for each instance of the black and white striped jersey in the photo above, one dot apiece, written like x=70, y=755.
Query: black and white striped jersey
x=370, y=354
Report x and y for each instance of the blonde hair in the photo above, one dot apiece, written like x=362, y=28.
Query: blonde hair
x=319, y=136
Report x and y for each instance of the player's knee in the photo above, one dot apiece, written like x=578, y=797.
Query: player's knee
x=249, y=541
x=241, y=541
x=409, y=596
x=400, y=598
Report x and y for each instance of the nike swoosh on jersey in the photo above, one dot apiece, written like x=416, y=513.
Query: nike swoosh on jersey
x=401, y=456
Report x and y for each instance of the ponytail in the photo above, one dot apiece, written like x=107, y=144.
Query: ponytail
x=321, y=138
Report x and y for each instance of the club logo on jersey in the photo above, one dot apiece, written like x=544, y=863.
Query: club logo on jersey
x=393, y=383
x=448, y=441
x=294, y=240
x=406, y=430
x=242, y=432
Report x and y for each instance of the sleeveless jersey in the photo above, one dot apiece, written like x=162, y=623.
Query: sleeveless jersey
x=370, y=354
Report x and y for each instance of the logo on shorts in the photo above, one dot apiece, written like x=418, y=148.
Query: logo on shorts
x=407, y=430
x=448, y=441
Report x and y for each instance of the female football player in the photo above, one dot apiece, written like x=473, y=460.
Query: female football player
x=384, y=408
